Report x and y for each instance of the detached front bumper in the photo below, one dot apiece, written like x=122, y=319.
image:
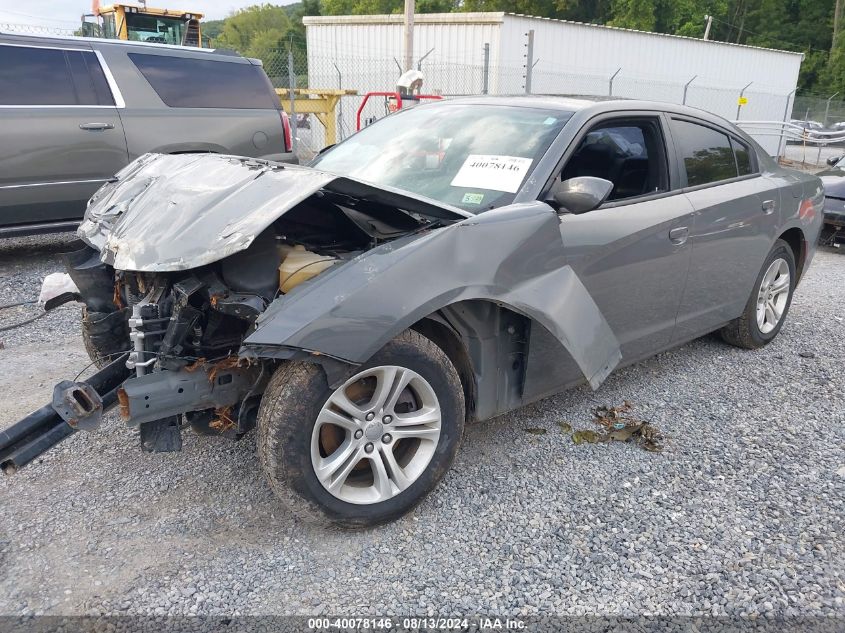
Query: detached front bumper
x=75, y=406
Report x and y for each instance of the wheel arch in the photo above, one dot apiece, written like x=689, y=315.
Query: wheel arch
x=798, y=244
x=447, y=339
x=190, y=148
x=487, y=342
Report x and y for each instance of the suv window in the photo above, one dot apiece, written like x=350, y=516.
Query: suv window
x=31, y=76
x=187, y=82
x=89, y=79
x=707, y=154
x=35, y=76
x=629, y=154
x=743, y=157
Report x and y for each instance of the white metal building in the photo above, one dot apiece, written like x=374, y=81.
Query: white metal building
x=364, y=52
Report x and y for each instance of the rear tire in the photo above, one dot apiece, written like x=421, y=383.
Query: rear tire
x=376, y=457
x=769, y=302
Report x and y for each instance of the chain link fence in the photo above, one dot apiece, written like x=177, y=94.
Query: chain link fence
x=829, y=110
x=365, y=73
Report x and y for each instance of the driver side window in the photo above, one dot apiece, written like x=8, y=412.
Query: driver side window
x=629, y=153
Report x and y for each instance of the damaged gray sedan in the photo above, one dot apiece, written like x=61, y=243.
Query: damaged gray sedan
x=447, y=264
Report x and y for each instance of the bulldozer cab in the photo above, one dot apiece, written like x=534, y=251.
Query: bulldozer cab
x=145, y=24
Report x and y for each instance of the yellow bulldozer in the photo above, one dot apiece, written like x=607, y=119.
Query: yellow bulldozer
x=144, y=24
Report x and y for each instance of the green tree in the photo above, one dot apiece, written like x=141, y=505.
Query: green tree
x=633, y=14
x=256, y=29
x=362, y=7
x=211, y=29
x=686, y=17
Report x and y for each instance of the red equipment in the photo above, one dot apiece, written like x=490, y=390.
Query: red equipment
x=398, y=103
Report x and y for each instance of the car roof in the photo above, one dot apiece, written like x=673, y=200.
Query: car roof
x=593, y=105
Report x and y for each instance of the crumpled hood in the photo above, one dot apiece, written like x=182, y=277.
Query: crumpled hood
x=166, y=213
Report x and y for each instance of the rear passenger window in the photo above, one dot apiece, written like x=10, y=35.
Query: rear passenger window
x=35, y=76
x=743, y=157
x=32, y=76
x=708, y=155
x=187, y=82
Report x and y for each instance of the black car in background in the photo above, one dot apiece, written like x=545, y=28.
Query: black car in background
x=833, y=179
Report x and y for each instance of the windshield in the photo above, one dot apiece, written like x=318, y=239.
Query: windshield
x=474, y=157
x=150, y=28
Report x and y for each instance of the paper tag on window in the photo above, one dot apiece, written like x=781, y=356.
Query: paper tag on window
x=486, y=171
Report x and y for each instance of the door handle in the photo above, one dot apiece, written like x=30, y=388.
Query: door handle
x=96, y=126
x=679, y=235
x=768, y=206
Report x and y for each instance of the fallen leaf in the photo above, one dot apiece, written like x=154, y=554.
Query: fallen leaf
x=624, y=434
x=566, y=427
x=591, y=437
x=535, y=431
x=617, y=426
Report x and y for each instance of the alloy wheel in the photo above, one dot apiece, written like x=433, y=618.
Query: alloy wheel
x=376, y=434
x=772, y=296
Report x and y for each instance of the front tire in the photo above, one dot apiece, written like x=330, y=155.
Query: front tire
x=369, y=451
x=769, y=302
x=105, y=336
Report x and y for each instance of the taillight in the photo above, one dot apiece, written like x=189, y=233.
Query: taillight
x=807, y=211
x=286, y=127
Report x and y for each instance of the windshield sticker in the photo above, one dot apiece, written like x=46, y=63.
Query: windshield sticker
x=472, y=198
x=486, y=171
x=550, y=121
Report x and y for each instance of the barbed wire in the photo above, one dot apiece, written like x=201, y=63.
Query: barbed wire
x=34, y=29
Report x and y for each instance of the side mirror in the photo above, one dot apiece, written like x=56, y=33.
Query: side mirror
x=580, y=194
x=833, y=160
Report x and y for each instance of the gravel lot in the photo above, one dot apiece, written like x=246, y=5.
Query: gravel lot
x=809, y=156
x=741, y=514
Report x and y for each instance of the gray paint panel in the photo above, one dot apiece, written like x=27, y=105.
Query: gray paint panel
x=512, y=256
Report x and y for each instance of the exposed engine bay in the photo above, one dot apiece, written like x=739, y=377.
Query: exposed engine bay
x=191, y=323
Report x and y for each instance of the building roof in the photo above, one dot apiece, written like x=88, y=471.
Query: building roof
x=497, y=17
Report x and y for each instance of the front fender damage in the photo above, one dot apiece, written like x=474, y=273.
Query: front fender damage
x=512, y=256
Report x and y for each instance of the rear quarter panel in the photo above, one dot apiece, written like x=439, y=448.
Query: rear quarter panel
x=802, y=207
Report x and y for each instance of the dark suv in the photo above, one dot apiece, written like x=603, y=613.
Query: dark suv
x=74, y=111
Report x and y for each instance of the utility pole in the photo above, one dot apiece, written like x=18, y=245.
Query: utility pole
x=709, y=19
x=837, y=23
x=409, y=35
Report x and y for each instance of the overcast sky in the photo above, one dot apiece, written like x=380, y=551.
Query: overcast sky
x=64, y=14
